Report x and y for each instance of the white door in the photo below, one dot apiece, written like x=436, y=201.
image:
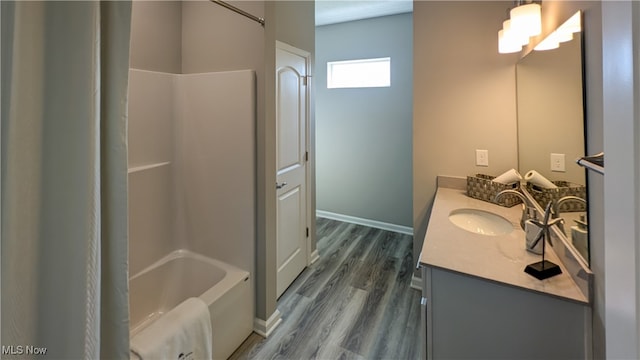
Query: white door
x=291, y=158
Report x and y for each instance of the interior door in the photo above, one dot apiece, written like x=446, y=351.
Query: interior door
x=291, y=158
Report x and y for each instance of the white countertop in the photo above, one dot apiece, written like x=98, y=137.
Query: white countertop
x=497, y=258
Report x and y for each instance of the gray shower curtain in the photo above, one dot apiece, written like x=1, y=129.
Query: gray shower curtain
x=64, y=179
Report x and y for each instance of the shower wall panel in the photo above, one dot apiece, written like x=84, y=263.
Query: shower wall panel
x=192, y=166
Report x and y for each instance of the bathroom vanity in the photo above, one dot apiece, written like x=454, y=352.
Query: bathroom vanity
x=479, y=303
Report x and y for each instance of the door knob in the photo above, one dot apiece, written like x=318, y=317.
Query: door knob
x=280, y=186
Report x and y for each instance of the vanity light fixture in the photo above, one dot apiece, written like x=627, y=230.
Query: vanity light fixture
x=518, y=38
x=509, y=41
x=526, y=18
x=524, y=22
x=507, y=44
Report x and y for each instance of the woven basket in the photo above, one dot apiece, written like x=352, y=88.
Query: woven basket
x=482, y=188
x=543, y=195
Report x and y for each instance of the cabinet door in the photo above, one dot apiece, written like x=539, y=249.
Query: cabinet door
x=426, y=313
x=475, y=318
x=423, y=326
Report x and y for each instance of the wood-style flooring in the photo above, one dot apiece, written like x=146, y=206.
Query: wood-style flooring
x=355, y=302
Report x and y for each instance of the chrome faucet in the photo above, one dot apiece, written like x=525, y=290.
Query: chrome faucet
x=555, y=211
x=528, y=210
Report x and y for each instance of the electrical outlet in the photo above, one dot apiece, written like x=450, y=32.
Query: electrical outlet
x=557, y=162
x=482, y=157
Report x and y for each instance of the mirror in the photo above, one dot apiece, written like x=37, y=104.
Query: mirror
x=551, y=119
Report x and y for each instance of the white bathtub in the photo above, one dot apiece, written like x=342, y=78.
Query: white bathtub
x=183, y=274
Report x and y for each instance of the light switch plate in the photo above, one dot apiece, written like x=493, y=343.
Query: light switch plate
x=482, y=157
x=557, y=162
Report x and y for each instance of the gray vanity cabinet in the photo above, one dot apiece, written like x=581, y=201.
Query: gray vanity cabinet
x=467, y=317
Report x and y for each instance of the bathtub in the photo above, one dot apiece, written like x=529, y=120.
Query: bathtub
x=183, y=274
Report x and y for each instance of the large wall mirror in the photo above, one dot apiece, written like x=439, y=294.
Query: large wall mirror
x=550, y=100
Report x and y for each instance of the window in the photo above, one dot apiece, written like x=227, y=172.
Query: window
x=359, y=73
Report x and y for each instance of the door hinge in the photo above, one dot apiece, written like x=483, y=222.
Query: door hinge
x=305, y=80
x=307, y=232
x=306, y=156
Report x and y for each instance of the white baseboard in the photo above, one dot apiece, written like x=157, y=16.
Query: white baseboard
x=366, y=222
x=314, y=256
x=265, y=328
x=416, y=282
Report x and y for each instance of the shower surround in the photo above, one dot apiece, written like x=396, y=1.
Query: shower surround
x=192, y=168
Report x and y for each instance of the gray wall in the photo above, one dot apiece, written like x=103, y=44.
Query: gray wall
x=217, y=39
x=156, y=28
x=364, y=136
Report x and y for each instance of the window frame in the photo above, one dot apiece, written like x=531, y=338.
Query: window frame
x=333, y=83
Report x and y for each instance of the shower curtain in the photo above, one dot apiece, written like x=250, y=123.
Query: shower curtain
x=64, y=179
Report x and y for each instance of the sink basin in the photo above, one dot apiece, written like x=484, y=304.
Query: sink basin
x=480, y=222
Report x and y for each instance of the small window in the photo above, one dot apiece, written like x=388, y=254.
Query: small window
x=359, y=73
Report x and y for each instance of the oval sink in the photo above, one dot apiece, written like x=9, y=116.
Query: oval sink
x=480, y=222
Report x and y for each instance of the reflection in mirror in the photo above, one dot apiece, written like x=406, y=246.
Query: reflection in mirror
x=551, y=131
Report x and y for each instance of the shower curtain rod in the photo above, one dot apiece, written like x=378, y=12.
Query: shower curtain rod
x=239, y=11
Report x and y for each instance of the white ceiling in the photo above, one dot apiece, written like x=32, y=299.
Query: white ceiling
x=337, y=11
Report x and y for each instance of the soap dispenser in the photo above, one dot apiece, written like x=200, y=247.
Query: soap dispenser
x=579, y=236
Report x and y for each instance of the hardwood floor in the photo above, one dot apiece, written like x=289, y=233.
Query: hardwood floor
x=355, y=302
